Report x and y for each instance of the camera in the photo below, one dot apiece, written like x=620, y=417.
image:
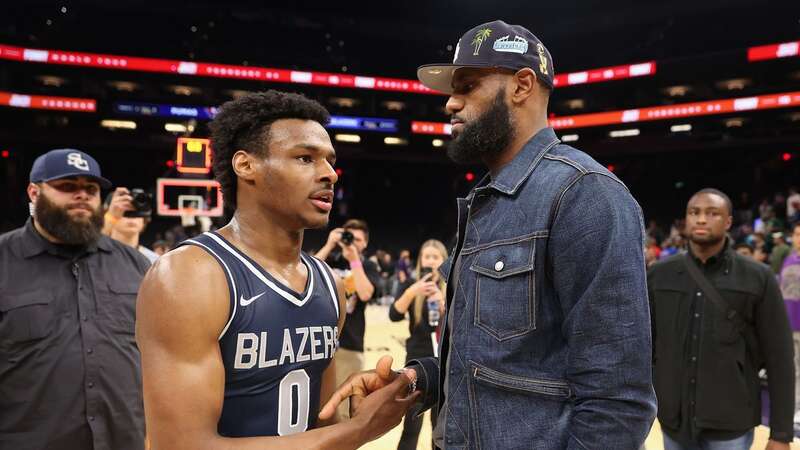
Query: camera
x=424, y=271
x=142, y=203
x=347, y=237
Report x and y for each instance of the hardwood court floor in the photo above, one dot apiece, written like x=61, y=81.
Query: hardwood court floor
x=386, y=337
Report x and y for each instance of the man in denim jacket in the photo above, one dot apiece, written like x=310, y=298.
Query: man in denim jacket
x=546, y=342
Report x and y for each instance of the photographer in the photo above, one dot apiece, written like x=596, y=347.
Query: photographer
x=361, y=277
x=423, y=301
x=129, y=219
x=70, y=375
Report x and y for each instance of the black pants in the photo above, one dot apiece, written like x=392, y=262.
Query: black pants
x=411, y=429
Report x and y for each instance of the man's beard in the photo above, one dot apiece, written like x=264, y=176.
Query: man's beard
x=57, y=221
x=487, y=136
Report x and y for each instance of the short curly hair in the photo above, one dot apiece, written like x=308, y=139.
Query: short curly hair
x=243, y=124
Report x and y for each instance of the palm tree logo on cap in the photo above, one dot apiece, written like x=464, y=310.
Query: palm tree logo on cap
x=480, y=36
x=542, y=59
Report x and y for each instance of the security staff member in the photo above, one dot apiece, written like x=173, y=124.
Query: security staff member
x=718, y=319
x=69, y=366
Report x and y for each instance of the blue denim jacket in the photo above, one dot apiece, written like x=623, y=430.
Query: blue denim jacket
x=551, y=333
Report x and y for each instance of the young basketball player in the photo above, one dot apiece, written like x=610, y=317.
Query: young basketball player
x=238, y=328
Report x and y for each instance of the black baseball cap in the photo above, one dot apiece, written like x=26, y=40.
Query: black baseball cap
x=65, y=163
x=493, y=44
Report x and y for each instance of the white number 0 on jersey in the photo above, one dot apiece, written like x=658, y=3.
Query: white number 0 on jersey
x=300, y=379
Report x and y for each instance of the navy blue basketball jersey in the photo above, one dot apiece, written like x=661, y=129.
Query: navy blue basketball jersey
x=275, y=346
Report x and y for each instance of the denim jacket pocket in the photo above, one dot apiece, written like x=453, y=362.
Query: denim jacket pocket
x=505, y=289
x=501, y=406
x=556, y=389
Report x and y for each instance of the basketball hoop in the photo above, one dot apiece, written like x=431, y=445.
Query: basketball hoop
x=188, y=215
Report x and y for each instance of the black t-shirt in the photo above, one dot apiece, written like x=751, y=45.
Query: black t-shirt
x=352, y=336
x=419, y=344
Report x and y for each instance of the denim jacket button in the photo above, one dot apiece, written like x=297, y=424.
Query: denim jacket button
x=498, y=266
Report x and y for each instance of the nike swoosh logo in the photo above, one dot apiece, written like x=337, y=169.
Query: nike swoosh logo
x=245, y=302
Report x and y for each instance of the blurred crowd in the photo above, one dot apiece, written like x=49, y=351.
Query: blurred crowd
x=762, y=231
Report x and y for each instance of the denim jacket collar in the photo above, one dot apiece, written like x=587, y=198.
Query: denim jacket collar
x=513, y=174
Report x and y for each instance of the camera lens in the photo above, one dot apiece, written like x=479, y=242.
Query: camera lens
x=141, y=202
x=347, y=237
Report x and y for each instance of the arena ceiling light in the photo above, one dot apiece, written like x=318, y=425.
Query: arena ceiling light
x=184, y=90
x=677, y=91
x=394, y=105
x=681, y=128
x=349, y=138
x=630, y=132
x=437, y=143
x=570, y=138
x=735, y=122
x=176, y=127
x=47, y=102
x=118, y=124
x=51, y=80
x=734, y=84
x=393, y=140
x=575, y=103
x=343, y=102
x=124, y=86
x=237, y=93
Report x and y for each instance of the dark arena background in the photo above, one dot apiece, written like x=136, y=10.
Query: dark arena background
x=667, y=57
x=671, y=96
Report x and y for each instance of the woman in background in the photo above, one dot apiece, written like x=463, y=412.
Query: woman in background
x=423, y=301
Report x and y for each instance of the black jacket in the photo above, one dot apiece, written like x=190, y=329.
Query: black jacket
x=706, y=374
